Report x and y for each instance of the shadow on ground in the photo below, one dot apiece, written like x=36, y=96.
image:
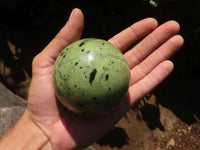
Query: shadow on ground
x=149, y=112
x=117, y=137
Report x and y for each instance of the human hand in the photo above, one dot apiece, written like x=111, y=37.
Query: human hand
x=149, y=66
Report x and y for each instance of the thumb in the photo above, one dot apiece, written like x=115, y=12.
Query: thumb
x=71, y=32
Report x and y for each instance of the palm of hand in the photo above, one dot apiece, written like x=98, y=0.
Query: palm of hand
x=148, y=64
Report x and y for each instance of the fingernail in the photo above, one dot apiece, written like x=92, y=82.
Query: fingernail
x=72, y=13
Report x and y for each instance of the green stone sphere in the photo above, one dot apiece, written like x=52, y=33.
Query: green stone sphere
x=91, y=77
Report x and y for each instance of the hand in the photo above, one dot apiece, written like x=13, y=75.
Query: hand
x=149, y=65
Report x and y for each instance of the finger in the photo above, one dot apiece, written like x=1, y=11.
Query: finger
x=138, y=53
x=71, y=32
x=133, y=33
x=147, y=84
x=164, y=52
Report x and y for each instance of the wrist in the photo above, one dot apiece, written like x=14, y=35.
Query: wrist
x=25, y=135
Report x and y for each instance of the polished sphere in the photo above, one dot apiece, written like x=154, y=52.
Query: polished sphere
x=91, y=77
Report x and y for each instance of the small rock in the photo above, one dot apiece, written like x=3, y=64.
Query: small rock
x=171, y=143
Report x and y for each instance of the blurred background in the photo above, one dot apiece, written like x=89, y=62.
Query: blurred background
x=27, y=26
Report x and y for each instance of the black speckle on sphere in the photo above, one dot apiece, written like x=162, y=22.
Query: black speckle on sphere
x=107, y=76
x=92, y=75
x=76, y=63
x=81, y=44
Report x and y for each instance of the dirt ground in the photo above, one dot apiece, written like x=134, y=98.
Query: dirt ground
x=150, y=126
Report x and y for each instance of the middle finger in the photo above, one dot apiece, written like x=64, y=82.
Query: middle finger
x=138, y=53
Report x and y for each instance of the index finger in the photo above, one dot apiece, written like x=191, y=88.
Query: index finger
x=133, y=33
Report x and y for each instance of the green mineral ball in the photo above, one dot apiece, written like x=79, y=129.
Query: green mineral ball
x=91, y=77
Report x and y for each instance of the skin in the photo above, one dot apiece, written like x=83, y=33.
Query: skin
x=46, y=124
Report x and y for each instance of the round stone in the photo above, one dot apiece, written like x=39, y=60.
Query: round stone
x=91, y=77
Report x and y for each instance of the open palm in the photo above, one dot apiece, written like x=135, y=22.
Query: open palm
x=148, y=62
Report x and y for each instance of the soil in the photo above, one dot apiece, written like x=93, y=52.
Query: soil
x=150, y=126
